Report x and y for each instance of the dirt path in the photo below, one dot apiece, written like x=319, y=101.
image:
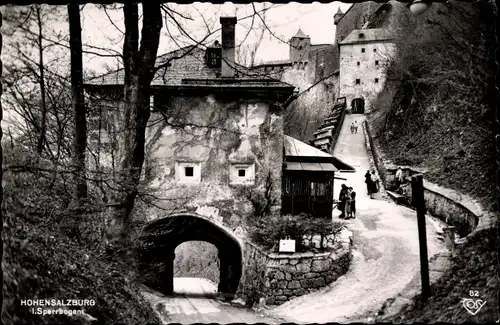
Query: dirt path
x=195, y=302
x=385, y=255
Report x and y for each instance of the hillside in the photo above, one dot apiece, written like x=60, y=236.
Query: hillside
x=437, y=112
x=475, y=267
x=437, y=107
x=53, y=253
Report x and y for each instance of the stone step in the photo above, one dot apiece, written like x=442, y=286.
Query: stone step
x=324, y=136
x=331, y=127
x=320, y=134
x=321, y=142
x=325, y=125
x=331, y=120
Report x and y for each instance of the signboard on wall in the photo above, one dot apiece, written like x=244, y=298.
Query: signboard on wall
x=287, y=246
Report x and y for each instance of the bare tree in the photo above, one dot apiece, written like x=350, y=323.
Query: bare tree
x=139, y=71
x=80, y=110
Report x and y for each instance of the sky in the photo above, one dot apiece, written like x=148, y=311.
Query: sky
x=282, y=21
x=105, y=29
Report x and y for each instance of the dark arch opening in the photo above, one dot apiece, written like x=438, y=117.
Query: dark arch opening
x=358, y=106
x=162, y=237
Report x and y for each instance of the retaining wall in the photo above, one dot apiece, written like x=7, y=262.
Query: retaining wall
x=456, y=209
x=279, y=277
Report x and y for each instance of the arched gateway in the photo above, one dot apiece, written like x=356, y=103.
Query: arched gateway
x=358, y=106
x=162, y=236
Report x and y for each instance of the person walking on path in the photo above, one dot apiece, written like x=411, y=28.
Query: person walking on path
x=355, y=126
x=368, y=181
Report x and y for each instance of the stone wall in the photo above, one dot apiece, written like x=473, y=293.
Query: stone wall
x=280, y=277
x=228, y=133
x=355, y=64
x=461, y=211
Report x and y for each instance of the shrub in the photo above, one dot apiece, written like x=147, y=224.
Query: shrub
x=268, y=231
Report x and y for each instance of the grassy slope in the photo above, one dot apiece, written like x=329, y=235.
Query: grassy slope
x=475, y=267
x=434, y=110
x=49, y=253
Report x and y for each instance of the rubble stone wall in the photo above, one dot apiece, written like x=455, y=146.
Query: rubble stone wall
x=280, y=277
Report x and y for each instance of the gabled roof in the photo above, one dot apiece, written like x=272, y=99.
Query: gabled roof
x=369, y=35
x=300, y=156
x=339, y=12
x=187, y=69
x=300, y=34
x=296, y=148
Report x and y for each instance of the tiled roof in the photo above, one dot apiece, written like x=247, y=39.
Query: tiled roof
x=300, y=34
x=369, y=35
x=188, y=68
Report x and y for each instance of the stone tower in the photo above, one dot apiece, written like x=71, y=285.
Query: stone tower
x=299, y=48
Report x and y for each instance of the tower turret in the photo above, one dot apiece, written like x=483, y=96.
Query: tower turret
x=338, y=16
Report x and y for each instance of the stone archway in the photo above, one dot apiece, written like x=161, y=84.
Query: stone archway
x=358, y=106
x=161, y=238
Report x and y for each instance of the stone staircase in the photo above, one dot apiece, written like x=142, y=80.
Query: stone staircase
x=325, y=137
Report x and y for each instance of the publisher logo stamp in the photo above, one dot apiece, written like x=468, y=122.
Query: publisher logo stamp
x=473, y=305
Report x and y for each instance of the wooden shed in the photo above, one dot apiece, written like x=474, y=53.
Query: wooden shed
x=307, y=182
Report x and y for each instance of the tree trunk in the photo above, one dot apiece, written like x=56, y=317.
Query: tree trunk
x=43, y=122
x=139, y=72
x=79, y=108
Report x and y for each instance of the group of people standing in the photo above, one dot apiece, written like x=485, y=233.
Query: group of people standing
x=354, y=127
x=347, y=203
x=372, y=182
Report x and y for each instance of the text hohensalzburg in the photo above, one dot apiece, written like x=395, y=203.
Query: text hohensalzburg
x=58, y=302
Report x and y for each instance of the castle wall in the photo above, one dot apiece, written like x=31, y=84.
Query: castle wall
x=228, y=133
x=367, y=71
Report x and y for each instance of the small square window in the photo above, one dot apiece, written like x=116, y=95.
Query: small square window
x=361, y=35
x=376, y=62
x=243, y=174
x=362, y=50
x=376, y=80
x=358, y=81
x=357, y=63
x=188, y=171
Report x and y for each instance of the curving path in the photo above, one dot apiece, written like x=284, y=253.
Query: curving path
x=385, y=254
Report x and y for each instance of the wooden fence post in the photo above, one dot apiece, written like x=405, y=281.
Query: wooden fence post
x=417, y=186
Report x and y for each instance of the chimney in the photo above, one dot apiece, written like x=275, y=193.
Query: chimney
x=228, y=42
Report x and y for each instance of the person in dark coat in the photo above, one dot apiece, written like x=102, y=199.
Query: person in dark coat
x=342, y=200
x=368, y=181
